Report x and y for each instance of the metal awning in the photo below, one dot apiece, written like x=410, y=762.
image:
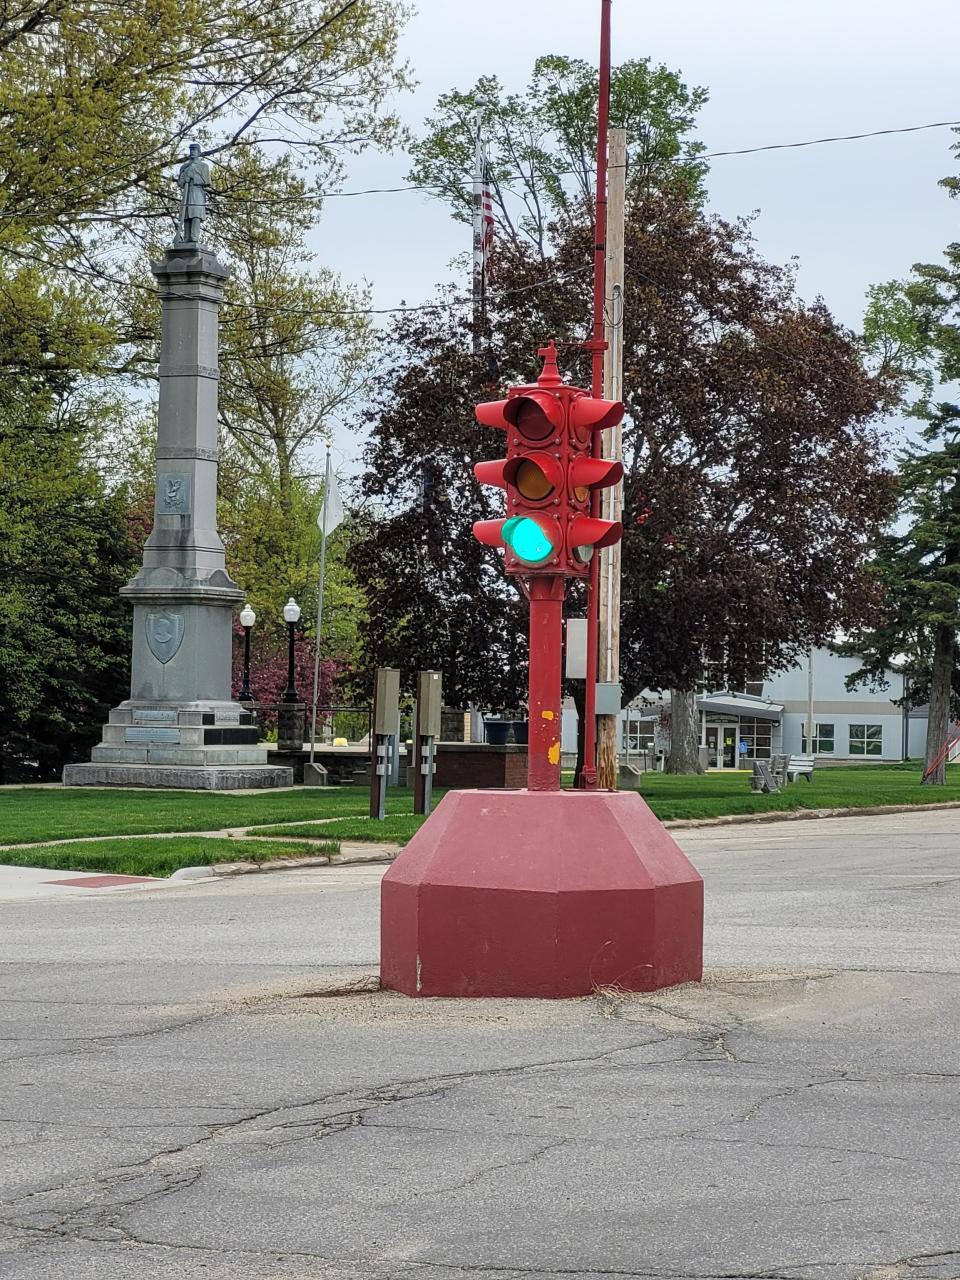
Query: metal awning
x=729, y=704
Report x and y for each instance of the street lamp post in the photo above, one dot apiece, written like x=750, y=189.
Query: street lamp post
x=291, y=614
x=247, y=619
x=290, y=717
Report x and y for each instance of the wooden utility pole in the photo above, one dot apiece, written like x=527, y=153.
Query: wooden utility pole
x=612, y=498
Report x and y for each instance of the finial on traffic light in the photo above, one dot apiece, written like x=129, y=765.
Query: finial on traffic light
x=550, y=377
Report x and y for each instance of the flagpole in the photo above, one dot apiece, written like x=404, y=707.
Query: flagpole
x=477, y=236
x=323, y=574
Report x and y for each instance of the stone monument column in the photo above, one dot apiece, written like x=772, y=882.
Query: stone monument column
x=184, y=580
x=180, y=727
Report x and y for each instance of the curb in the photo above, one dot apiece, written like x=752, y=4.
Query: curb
x=221, y=870
x=801, y=815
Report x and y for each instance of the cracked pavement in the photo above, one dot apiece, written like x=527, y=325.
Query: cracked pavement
x=198, y=1084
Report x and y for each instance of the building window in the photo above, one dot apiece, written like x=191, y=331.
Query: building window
x=866, y=739
x=823, y=740
x=638, y=735
x=753, y=688
x=757, y=735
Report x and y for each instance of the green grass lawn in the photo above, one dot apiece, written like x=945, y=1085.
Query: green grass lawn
x=44, y=813
x=711, y=795
x=396, y=828
x=41, y=814
x=159, y=857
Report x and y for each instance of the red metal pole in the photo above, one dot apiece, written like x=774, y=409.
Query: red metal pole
x=588, y=775
x=544, y=701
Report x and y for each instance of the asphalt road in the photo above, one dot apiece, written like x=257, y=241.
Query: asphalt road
x=185, y=1099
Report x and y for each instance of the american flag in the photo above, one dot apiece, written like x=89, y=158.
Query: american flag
x=486, y=215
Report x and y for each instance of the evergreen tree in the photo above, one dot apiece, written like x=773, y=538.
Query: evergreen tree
x=913, y=330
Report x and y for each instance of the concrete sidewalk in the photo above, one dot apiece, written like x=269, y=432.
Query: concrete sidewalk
x=197, y=1086
x=39, y=882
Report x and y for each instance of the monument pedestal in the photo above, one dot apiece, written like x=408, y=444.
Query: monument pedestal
x=540, y=894
x=205, y=746
x=180, y=727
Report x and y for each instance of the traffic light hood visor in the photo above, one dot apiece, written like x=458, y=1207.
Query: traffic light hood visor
x=595, y=473
x=590, y=414
x=489, y=532
x=491, y=473
x=490, y=414
x=587, y=531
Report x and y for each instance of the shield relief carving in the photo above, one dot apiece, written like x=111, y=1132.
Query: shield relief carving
x=164, y=634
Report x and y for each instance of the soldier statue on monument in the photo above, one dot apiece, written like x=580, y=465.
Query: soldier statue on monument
x=194, y=183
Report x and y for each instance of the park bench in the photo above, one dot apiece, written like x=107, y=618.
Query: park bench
x=789, y=768
x=799, y=767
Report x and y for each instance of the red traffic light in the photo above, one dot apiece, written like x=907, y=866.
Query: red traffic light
x=549, y=474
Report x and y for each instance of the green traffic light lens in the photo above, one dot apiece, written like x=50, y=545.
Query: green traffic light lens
x=527, y=540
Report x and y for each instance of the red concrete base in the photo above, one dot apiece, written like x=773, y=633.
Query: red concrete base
x=525, y=893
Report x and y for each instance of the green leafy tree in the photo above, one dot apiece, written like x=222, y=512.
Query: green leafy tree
x=65, y=549
x=98, y=100
x=541, y=142
x=97, y=104
x=754, y=463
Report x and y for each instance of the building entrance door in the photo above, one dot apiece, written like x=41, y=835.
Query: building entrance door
x=722, y=746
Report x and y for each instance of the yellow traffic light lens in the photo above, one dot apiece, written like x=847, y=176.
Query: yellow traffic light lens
x=532, y=422
x=531, y=482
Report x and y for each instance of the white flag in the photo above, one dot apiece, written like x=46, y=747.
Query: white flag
x=331, y=513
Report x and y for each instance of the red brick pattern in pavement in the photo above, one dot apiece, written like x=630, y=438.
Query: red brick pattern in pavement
x=102, y=882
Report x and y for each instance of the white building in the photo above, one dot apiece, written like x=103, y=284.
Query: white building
x=770, y=717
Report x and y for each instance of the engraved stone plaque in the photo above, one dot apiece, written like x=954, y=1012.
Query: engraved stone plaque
x=150, y=733
x=156, y=715
x=173, y=493
x=164, y=634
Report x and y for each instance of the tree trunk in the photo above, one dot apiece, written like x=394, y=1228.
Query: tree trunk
x=938, y=718
x=607, y=778
x=684, y=754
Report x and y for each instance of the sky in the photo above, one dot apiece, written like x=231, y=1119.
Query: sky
x=852, y=213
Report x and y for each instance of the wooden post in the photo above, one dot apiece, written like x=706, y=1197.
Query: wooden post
x=612, y=498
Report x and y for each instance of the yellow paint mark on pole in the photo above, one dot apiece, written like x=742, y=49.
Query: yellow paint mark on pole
x=553, y=755
x=546, y=715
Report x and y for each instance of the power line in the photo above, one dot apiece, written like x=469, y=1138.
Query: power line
x=817, y=142
x=707, y=155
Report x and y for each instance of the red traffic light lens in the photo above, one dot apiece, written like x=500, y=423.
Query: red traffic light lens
x=535, y=415
x=532, y=422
